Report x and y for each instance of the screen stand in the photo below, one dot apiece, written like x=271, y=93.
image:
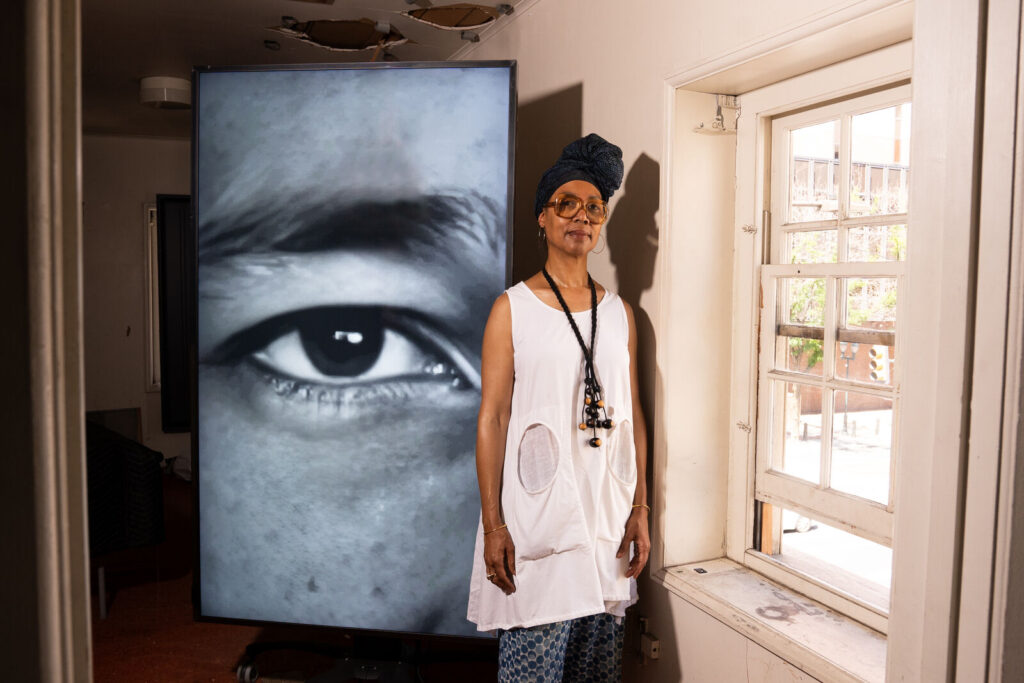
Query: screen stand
x=370, y=658
x=351, y=669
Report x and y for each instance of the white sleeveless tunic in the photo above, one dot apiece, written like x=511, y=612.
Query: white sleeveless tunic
x=565, y=502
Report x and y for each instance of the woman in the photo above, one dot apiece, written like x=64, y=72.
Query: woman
x=561, y=447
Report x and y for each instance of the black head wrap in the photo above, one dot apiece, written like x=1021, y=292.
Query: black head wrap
x=592, y=159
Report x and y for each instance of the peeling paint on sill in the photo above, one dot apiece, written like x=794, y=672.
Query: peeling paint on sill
x=810, y=636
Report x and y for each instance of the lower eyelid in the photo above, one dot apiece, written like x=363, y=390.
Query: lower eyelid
x=351, y=399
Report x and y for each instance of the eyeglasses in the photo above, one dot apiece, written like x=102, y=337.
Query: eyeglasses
x=568, y=205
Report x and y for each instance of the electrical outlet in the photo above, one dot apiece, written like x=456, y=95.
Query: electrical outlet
x=650, y=646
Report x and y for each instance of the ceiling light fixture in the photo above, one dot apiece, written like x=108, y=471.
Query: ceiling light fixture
x=165, y=92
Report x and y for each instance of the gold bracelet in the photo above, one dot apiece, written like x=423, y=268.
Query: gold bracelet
x=643, y=505
x=497, y=528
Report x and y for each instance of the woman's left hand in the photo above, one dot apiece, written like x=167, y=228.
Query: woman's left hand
x=638, y=535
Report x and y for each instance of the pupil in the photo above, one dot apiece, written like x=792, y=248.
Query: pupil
x=342, y=342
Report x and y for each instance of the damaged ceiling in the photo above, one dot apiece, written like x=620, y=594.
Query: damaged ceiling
x=458, y=16
x=345, y=35
x=124, y=41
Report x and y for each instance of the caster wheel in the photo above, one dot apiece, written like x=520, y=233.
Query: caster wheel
x=247, y=673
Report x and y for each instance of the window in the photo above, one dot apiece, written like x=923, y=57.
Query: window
x=828, y=383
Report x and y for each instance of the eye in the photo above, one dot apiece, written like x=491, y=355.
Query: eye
x=339, y=346
x=595, y=208
x=567, y=206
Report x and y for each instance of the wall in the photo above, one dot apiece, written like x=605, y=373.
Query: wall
x=120, y=175
x=621, y=55
x=695, y=424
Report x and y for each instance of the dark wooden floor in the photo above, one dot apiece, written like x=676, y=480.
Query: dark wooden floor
x=150, y=635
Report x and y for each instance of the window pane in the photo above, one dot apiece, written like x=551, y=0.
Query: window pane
x=865, y=362
x=802, y=301
x=861, y=445
x=838, y=558
x=870, y=303
x=799, y=354
x=814, y=154
x=802, y=306
x=866, y=346
x=877, y=243
x=799, y=453
x=812, y=246
x=880, y=149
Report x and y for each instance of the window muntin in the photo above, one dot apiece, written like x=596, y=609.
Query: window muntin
x=828, y=385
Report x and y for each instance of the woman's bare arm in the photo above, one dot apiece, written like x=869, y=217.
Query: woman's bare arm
x=497, y=376
x=637, y=525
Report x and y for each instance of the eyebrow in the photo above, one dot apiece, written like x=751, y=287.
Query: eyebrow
x=405, y=224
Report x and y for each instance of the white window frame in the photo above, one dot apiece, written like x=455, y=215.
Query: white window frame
x=885, y=68
x=152, y=302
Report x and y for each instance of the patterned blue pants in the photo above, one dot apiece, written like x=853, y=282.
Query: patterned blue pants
x=584, y=650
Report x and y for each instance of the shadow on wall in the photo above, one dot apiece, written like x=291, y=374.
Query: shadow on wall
x=632, y=231
x=543, y=127
x=633, y=248
x=632, y=234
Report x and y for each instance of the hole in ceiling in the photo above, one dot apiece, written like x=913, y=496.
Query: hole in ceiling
x=455, y=17
x=344, y=35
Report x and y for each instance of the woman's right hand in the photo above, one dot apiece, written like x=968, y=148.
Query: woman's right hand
x=500, y=559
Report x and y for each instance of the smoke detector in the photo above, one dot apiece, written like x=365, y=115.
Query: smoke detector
x=166, y=92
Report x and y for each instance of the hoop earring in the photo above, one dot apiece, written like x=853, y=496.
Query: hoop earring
x=542, y=235
x=598, y=251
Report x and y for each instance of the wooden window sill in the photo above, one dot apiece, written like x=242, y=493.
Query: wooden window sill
x=805, y=633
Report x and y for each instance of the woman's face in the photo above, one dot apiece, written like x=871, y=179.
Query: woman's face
x=576, y=235
x=344, y=281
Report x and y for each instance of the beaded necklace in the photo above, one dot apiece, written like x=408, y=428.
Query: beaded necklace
x=593, y=403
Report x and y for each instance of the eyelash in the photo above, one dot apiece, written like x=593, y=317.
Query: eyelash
x=339, y=396
x=444, y=365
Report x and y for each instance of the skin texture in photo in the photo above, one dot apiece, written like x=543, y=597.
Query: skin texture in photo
x=351, y=238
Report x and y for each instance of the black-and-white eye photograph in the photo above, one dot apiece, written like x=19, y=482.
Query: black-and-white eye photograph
x=352, y=227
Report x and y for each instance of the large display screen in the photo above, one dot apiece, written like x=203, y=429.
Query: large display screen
x=352, y=229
